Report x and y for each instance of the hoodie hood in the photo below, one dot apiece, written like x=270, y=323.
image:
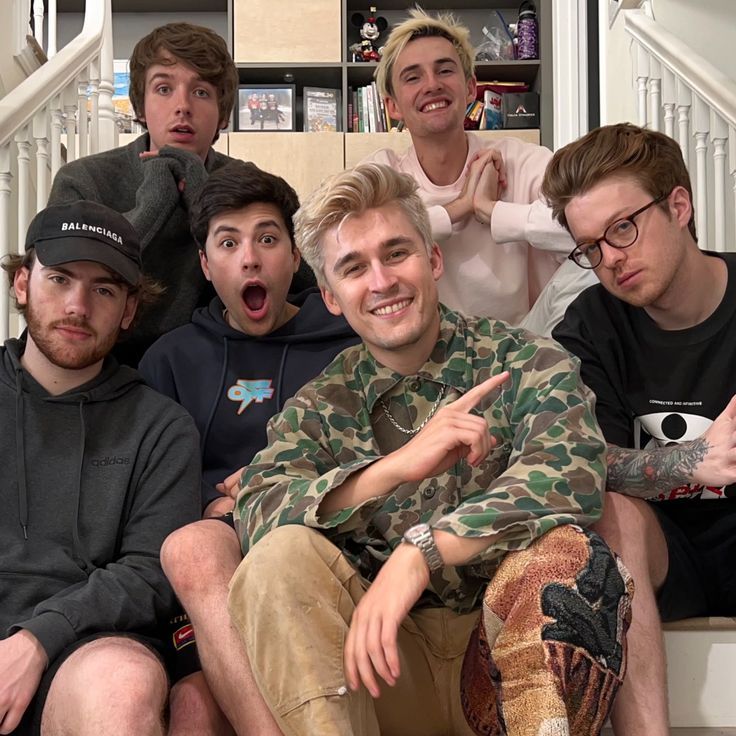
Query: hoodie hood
x=112, y=381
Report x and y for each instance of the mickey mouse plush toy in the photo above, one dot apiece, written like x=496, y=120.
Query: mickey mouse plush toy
x=370, y=29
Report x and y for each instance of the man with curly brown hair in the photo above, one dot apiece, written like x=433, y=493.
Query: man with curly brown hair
x=183, y=84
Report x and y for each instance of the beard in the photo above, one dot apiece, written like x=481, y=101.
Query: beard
x=61, y=352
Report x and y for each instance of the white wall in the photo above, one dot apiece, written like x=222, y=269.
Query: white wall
x=129, y=28
x=707, y=26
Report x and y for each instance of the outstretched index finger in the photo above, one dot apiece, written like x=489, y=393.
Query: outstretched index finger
x=471, y=399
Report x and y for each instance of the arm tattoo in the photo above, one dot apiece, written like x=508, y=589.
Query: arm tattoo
x=647, y=473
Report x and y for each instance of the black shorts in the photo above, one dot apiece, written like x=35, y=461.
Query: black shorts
x=30, y=724
x=701, y=544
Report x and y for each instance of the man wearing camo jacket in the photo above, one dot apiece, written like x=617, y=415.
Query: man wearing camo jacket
x=443, y=469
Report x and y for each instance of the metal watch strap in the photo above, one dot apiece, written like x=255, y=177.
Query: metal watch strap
x=421, y=536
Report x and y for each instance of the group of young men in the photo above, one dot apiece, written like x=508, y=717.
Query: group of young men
x=385, y=506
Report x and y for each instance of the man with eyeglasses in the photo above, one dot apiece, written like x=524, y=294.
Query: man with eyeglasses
x=657, y=342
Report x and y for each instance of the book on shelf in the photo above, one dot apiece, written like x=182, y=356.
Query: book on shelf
x=369, y=114
x=321, y=110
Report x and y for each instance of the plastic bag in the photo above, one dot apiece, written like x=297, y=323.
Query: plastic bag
x=499, y=42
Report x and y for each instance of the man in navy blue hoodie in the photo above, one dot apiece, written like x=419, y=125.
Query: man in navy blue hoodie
x=97, y=470
x=233, y=368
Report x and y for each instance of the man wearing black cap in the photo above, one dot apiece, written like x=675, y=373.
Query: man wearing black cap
x=98, y=471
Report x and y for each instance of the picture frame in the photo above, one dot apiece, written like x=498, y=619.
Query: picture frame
x=266, y=108
x=322, y=110
x=124, y=114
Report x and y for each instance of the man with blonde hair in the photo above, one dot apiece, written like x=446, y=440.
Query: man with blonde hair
x=441, y=468
x=656, y=343
x=501, y=247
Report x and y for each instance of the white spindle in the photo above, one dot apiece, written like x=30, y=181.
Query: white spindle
x=56, y=125
x=5, y=190
x=719, y=136
x=24, y=180
x=642, y=75
x=51, y=51
x=83, y=116
x=701, y=130
x=94, y=95
x=684, y=101
x=669, y=100
x=108, y=128
x=655, y=95
x=69, y=103
x=41, y=136
x=38, y=11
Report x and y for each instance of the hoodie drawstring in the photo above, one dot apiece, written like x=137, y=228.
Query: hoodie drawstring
x=280, y=379
x=220, y=384
x=20, y=455
x=76, y=543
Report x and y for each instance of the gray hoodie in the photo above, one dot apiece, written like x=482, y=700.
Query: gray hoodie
x=93, y=481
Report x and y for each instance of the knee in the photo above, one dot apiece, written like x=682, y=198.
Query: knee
x=113, y=670
x=291, y=547
x=193, y=708
x=200, y=555
x=626, y=522
x=282, y=563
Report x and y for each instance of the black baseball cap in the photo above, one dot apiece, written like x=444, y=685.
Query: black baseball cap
x=86, y=231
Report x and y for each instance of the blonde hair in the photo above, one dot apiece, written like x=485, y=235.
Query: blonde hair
x=422, y=25
x=353, y=192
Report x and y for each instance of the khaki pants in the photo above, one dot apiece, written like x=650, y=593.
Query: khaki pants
x=292, y=600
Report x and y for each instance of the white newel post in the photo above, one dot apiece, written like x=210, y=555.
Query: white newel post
x=5, y=190
x=108, y=130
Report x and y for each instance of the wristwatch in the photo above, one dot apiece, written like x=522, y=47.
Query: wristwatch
x=420, y=535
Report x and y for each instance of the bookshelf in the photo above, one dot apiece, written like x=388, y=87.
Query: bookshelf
x=307, y=45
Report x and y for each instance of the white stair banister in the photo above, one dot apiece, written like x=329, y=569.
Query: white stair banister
x=705, y=100
x=31, y=122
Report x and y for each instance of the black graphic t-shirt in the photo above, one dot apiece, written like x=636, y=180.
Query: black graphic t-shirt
x=654, y=387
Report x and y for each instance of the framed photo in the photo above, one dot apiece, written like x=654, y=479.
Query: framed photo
x=266, y=107
x=124, y=115
x=322, y=110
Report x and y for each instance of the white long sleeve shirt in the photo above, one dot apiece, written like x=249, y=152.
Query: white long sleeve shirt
x=492, y=270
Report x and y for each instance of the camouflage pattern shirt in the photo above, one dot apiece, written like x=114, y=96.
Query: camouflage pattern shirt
x=547, y=469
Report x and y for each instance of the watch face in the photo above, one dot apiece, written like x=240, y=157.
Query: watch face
x=417, y=532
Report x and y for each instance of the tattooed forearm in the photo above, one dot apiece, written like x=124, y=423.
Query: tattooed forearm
x=646, y=473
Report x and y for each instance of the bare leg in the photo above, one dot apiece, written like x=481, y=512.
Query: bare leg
x=199, y=560
x=113, y=686
x=631, y=529
x=194, y=710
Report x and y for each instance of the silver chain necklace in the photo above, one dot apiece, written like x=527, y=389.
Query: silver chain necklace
x=414, y=431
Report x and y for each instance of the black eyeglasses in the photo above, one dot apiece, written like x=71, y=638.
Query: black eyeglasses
x=619, y=234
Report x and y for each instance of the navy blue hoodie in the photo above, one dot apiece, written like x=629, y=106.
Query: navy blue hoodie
x=233, y=383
